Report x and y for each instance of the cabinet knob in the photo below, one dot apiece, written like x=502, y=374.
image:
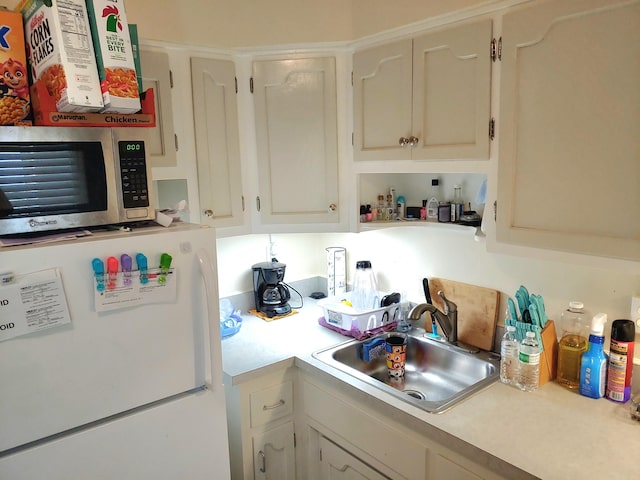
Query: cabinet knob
x=208, y=213
x=333, y=207
x=403, y=141
x=413, y=141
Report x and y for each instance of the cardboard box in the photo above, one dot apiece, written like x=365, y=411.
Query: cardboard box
x=15, y=102
x=114, y=56
x=63, y=59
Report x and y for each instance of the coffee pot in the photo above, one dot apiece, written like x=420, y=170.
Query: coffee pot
x=270, y=292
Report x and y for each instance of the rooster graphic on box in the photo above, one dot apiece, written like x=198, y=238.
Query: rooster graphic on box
x=113, y=18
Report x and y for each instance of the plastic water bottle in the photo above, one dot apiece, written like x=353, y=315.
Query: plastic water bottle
x=365, y=291
x=509, y=361
x=529, y=363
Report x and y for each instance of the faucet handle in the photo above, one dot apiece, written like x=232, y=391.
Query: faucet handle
x=449, y=306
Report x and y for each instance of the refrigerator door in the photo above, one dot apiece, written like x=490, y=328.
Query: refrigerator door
x=65, y=380
x=184, y=438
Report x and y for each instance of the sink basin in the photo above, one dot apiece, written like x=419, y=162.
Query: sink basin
x=437, y=375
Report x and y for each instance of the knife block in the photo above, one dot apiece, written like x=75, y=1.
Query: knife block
x=549, y=357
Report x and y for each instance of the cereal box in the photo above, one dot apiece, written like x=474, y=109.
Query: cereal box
x=15, y=104
x=116, y=67
x=60, y=52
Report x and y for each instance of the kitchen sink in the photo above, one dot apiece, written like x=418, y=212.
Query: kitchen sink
x=437, y=375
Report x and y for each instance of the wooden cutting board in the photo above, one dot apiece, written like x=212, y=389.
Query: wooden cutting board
x=477, y=310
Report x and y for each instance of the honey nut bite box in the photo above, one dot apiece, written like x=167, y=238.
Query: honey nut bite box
x=114, y=56
x=60, y=51
x=15, y=102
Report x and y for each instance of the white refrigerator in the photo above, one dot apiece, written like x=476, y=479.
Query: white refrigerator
x=131, y=386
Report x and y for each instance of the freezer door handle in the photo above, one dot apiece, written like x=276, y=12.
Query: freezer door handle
x=213, y=323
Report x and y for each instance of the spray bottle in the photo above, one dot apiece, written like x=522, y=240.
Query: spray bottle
x=620, y=366
x=593, y=364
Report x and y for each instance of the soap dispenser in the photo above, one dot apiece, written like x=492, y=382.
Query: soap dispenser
x=593, y=364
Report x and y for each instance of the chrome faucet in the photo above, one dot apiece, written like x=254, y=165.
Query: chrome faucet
x=448, y=320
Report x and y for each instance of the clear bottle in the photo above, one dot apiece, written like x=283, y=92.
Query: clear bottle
x=434, y=202
x=456, y=204
x=573, y=343
x=380, y=207
x=529, y=363
x=509, y=361
x=365, y=290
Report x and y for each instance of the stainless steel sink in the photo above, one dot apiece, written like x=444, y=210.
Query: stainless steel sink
x=437, y=375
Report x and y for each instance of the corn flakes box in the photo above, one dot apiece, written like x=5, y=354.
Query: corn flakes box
x=15, y=102
x=114, y=56
x=60, y=51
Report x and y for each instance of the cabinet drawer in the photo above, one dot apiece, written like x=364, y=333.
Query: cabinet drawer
x=271, y=403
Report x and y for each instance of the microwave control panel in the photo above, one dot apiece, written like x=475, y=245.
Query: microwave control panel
x=133, y=172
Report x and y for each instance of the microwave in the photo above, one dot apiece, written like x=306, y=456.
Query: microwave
x=55, y=178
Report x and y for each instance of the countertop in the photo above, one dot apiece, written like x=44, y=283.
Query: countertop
x=552, y=433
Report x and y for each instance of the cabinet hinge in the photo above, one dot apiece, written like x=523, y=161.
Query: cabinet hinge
x=320, y=454
x=352, y=79
x=243, y=203
x=258, y=203
x=495, y=210
x=236, y=79
x=170, y=78
x=492, y=128
x=496, y=49
x=294, y=440
x=352, y=139
x=175, y=141
x=251, y=84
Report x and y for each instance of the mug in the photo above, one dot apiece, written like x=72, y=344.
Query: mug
x=396, y=354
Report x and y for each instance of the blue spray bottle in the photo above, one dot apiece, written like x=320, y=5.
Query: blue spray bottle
x=593, y=368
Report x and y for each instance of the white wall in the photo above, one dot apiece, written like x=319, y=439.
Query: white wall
x=248, y=23
x=402, y=256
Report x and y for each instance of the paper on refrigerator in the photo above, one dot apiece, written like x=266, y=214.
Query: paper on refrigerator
x=34, y=302
x=130, y=294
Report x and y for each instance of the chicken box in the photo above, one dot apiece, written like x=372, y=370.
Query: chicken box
x=114, y=56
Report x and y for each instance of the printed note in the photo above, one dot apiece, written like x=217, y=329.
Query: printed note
x=34, y=302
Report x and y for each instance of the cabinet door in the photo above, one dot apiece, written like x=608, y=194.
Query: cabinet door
x=156, y=74
x=382, y=102
x=451, y=92
x=274, y=454
x=217, y=145
x=568, y=171
x=296, y=134
x=338, y=464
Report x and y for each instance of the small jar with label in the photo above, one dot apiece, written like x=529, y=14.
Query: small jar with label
x=444, y=212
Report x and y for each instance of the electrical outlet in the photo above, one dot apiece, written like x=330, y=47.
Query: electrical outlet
x=635, y=310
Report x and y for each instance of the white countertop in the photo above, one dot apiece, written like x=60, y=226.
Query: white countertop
x=552, y=433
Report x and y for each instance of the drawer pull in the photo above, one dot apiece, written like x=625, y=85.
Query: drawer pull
x=263, y=468
x=274, y=406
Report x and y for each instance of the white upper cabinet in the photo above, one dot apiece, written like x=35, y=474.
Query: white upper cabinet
x=426, y=98
x=569, y=168
x=215, y=114
x=382, y=97
x=156, y=74
x=296, y=138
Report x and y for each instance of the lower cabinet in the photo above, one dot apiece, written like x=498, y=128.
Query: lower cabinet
x=338, y=464
x=261, y=427
x=345, y=440
x=274, y=453
x=289, y=424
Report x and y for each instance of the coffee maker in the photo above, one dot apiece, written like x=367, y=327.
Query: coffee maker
x=271, y=293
